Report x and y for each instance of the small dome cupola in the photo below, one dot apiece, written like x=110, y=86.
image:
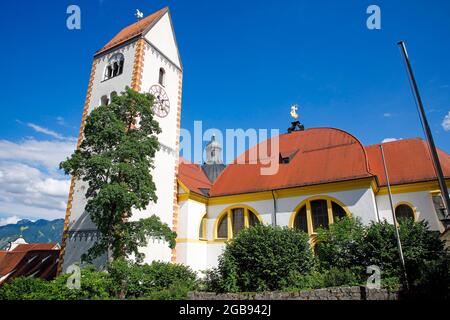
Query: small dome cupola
x=213, y=152
x=213, y=165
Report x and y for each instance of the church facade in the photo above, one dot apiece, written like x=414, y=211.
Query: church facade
x=323, y=175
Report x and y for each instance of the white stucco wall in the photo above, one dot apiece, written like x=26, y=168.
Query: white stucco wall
x=162, y=38
x=421, y=200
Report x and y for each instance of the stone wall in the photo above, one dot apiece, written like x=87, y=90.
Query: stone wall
x=342, y=293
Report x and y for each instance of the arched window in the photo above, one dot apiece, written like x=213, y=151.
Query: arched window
x=104, y=101
x=300, y=221
x=202, y=228
x=317, y=213
x=234, y=220
x=112, y=95
x=404, y=211
x=114, y=66
x=162, y=77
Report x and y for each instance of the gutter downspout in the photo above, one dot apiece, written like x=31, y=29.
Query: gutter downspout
x=274, y=213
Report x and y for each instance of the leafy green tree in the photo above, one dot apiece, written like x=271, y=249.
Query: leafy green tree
x=115, y=159
x=261, y=258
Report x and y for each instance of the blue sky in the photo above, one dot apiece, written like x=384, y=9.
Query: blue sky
x=245, y=63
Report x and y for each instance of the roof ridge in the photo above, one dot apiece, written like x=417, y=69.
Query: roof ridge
x=134, y=30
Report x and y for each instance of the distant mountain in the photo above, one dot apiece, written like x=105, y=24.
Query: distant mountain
x=40, y=231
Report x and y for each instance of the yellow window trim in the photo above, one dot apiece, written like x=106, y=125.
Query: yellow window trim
x=227, y=211
x=307, y=203
x=203, y=222
x=409, y=204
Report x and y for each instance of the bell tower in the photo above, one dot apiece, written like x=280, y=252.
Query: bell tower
x=145, y=57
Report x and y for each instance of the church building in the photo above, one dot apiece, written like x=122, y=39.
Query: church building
x=324, y=173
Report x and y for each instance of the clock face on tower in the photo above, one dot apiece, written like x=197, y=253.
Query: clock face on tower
x=161, y=105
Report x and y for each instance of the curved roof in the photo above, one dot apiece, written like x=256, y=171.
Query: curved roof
x=407, y=160
x=315, y=156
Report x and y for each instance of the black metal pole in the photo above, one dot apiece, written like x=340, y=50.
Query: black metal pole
x=431, y=145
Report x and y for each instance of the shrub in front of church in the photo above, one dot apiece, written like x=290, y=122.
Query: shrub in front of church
x=340, y=247
x=322, y=278
x=158, y=280
x=261, y=258
x=427, y=261
x=93, y=285
x=350, y=247
x=24, y=288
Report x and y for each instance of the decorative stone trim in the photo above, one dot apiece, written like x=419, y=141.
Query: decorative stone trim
x=136, y=79
x=176, y=207
x=91, y=234
x=72, y=181
x=167, y=149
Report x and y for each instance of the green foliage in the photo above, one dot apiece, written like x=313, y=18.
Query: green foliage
x=115, y=159
x=349, y=245
x=341, y=246
x=162, y=281
x=325, y=278
x=25, y=288
x=427, y=261
x=94, y=285
x=159, y=279
x=261, y=258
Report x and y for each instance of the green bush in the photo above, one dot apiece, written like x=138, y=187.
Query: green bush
x=341, y=246
x=159, y=279
x=25, y=288
x=348, y=245
x=261, y=258
x=427, y=261
x=124, y=279
x=94, y=285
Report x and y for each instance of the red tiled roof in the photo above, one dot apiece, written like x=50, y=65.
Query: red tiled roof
x=407, y=160
x=10, y=260
x=318, y=155
x=321, y=155
x=193, y=177
x=134, y=30
x=39, y=260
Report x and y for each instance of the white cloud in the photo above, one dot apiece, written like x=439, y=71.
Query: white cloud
x=387, y=115
x=9, y=220
x=390, y=139
x=37, y=152
x=31, y=185
x=446, y=122
x=46, y=131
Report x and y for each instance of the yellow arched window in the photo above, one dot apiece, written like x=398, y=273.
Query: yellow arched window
x=317, y=212
x=405, y=211
x=202, y=228
x=233, y=220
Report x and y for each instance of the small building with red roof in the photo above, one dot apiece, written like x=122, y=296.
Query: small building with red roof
x=23, y=259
